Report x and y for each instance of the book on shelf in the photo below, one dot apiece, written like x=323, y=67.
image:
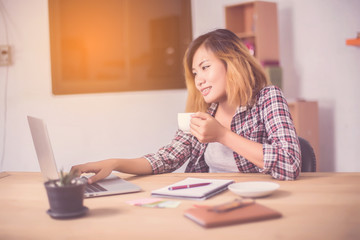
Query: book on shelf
x=275, y=74
x=270, y=63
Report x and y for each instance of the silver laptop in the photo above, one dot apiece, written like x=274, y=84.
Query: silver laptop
x=108, y=186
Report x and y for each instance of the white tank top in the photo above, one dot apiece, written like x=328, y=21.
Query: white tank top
x=220, y=158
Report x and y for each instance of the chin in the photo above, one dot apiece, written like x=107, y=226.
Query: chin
x=211, y=99
x=208, y=101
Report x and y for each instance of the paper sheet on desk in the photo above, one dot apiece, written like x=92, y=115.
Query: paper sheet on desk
x=154, y=203
x=196, y=193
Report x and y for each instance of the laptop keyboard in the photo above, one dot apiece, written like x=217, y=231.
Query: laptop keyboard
x=90, y=188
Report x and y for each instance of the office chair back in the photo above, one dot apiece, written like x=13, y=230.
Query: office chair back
x=308, y=159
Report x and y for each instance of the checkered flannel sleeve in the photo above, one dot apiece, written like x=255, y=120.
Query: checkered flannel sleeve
x=282, y=156
x=172, y=156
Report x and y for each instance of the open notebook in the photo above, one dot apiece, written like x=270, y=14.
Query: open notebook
x=195, y=193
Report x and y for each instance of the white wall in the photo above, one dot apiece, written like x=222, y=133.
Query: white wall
x=82, y=128
x=317, y=66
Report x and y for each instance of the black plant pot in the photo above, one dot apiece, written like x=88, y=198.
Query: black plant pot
x=66, y=201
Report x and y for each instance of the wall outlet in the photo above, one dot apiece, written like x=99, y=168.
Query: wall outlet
x=4, y=55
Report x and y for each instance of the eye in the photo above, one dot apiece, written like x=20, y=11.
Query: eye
x=194, y=74
x=205, y=67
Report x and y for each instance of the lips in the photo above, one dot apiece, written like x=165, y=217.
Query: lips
x=205, y=91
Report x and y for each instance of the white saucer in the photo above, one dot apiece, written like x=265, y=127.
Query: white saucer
x=253, y=189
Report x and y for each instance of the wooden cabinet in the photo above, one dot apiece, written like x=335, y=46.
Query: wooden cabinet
x=256, y=23
x=306, y=120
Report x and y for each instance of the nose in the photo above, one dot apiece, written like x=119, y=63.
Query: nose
x=199, y=80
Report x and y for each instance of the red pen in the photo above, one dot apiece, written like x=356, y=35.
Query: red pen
x=188, y=186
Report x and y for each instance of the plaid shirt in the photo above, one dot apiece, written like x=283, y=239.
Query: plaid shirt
x=267, y=122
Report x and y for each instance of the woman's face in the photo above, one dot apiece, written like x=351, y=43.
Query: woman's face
x=210, y=75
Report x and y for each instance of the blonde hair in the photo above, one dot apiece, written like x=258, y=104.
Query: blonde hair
x=245, y=76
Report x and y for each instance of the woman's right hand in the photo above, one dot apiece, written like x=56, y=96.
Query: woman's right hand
x=102, y=169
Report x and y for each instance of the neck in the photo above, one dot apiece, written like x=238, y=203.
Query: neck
x=227, y=108
x=224, y=114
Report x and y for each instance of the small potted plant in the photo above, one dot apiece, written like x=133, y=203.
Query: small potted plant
x=66, y=196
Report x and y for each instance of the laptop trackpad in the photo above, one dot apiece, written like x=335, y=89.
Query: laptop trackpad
x=114, y=183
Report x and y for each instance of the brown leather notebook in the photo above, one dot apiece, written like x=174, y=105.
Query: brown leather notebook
x=208, y=218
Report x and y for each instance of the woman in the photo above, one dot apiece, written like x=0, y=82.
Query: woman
x=240, y=124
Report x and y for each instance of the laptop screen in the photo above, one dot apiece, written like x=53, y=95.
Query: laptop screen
x=43, y=148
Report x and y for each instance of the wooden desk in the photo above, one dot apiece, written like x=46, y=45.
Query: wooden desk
x=316, y=206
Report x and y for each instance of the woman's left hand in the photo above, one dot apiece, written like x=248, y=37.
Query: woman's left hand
x=206, y=128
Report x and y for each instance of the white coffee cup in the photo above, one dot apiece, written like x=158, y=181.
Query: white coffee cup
x=184, y=121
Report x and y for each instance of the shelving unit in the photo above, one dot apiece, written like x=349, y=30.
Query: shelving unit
x=256, y=23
